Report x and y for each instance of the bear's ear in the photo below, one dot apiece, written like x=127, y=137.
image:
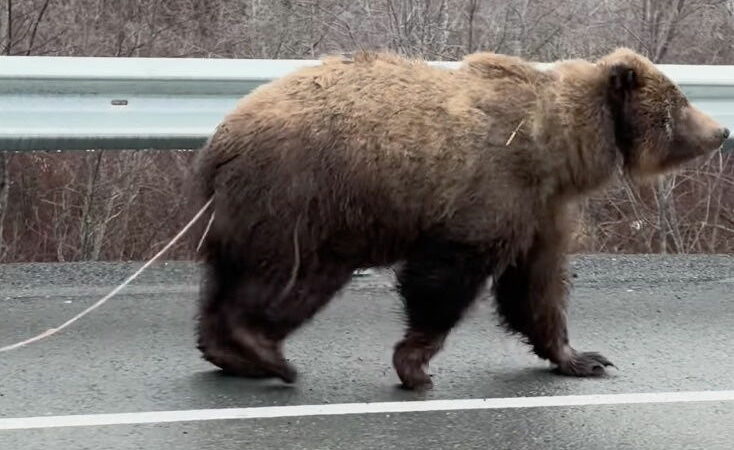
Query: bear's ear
x=622, y=80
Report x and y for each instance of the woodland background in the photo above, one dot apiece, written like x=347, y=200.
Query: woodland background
x=125, y=205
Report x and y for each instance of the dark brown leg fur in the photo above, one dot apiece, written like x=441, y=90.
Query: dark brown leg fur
x=438, y=282
x=245, y=318
x=222, y=338
x=241, y=350
x=531, y=299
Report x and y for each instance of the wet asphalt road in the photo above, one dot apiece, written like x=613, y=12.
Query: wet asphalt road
x=667, y=323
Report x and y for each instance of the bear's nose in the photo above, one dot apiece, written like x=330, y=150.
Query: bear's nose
x=725, y=133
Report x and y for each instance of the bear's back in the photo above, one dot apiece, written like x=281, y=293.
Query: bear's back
x=379, y=140
x=406, y=118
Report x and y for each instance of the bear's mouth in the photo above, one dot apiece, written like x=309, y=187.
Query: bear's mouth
x=683, y=150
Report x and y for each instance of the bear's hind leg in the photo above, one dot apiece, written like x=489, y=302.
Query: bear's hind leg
x=259, y=332
x=251, y=361
x=531, y=299
x=438, y=282
x=231, y=291
x=221, y=338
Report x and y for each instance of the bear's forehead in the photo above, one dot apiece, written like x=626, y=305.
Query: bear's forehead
x=659, y=87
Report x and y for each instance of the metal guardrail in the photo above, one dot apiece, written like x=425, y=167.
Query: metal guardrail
x=79, y=103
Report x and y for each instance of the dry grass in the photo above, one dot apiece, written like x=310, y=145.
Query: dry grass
x=127, y=205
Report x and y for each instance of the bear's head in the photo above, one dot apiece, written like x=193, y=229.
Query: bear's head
x=656, y=128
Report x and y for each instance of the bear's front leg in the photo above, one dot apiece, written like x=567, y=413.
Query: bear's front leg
x=438, y=282
x=531, y=299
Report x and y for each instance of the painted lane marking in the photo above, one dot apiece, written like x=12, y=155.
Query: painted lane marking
x=266, y=412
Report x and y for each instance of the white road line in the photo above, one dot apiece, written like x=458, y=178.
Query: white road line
x=25, y=423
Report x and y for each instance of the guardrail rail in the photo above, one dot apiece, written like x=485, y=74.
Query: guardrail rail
x=85, y=103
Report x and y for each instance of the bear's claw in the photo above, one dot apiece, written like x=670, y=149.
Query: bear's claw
x=584, y=364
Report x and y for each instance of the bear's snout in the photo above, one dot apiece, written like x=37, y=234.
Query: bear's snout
x=701, y=130
x=725, y=133
x=718, y=138
x=720, y=135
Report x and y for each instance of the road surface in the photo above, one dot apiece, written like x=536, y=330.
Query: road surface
x=666, y=322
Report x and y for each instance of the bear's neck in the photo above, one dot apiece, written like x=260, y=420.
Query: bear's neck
x=576, y=129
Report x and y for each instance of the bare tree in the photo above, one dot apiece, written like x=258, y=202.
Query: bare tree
x=4, y=173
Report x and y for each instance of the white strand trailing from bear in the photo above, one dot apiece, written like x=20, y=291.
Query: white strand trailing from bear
x=205, y=233
x=104, y=299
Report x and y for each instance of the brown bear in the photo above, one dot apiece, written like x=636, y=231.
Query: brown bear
x=454, y=177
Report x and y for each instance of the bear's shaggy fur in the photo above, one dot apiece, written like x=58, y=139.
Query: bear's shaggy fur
x=456, y=176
